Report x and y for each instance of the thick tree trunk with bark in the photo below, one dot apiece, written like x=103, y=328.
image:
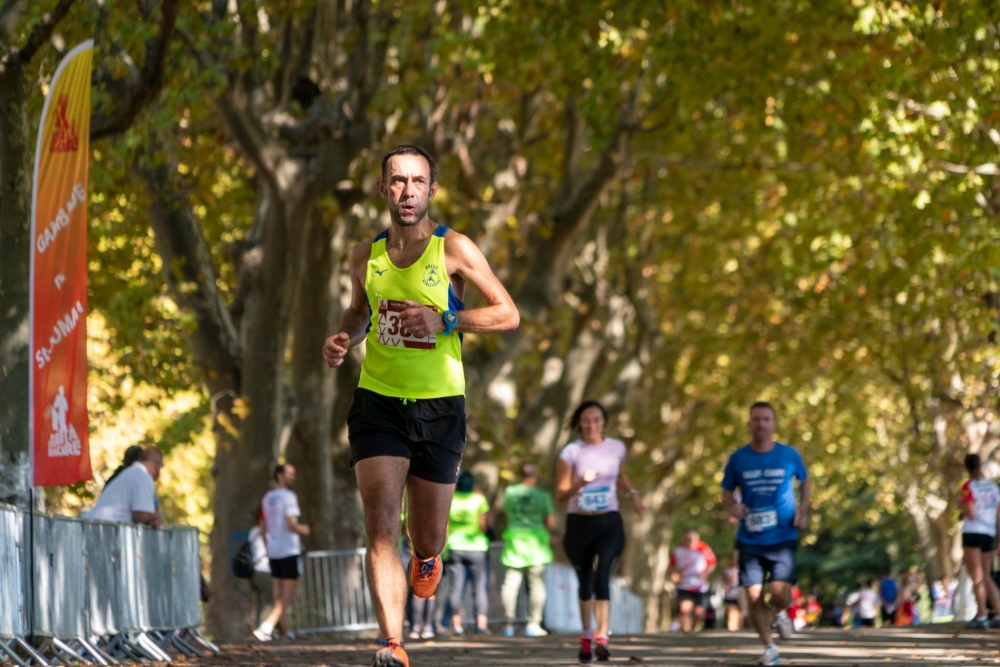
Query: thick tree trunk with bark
x=309, y=448
x=16, y=160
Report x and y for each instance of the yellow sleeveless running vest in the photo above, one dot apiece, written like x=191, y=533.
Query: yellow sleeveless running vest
x=397, y=363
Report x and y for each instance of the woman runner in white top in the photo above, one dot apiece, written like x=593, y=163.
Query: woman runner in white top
x=589, y=474
x=980, y=510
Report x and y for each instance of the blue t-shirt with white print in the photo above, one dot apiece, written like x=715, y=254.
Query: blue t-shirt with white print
x=765, y=482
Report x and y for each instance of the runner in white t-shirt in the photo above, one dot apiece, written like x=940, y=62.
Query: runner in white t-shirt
x=281, y=523
x=691, y=564
x=131, y=496
x=980, y=511
x=864, y=602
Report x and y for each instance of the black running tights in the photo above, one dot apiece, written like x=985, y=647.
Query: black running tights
x=591, y=537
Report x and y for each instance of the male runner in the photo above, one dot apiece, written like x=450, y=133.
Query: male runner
x=769, y=522
x=407, y=423
x=691, y=564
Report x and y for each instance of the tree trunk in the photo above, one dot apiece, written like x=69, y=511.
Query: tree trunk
x=309, y=448
x=15, y=246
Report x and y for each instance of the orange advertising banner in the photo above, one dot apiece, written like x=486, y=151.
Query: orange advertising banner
x=60, y=453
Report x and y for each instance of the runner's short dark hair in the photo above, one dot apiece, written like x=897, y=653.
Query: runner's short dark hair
x=528, y=469
x=574, y=421
x=407, y=149
x=973, y=462
x=764, y=404
x=279, y=470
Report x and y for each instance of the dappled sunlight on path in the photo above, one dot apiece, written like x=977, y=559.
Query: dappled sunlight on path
x=924, y=646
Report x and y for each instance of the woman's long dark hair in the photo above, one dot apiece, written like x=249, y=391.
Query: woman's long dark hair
x=574, y=421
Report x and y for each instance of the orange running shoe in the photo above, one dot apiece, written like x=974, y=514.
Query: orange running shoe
x=425, y=575
x=392, y=654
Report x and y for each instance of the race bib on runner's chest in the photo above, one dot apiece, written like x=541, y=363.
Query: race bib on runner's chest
x=760, y=520
x=596, y=499
x=392, y=332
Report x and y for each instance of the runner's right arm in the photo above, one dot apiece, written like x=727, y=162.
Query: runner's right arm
x=296, y=527
x=354, y=322
x=146, y=518
x=735, y=508
x=566, y=486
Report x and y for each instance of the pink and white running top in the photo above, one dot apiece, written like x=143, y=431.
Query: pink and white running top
x=984, y=496
x=605, y=459
x=692, y=565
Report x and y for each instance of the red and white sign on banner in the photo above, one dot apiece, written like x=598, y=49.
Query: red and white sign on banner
x=60, y=453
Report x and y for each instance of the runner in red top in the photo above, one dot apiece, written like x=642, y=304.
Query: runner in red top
x=691, y=564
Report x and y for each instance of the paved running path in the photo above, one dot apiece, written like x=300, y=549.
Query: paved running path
x=921, y=646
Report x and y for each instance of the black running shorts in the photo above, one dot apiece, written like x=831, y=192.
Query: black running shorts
x=698, y=598
x=284, y=568
x=428, y=431
x=978, y=541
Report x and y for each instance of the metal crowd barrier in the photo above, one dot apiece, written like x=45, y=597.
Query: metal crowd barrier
x=103, y=592
x=334, y=597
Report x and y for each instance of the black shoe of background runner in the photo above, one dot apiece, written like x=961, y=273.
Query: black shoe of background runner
x=601, y=649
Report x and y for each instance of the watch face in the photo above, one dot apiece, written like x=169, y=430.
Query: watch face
x=451, y=317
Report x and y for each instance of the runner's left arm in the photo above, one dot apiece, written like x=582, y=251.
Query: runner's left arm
x=626, y=485
x=711, y=560
x=467, y=261
x=802, y=512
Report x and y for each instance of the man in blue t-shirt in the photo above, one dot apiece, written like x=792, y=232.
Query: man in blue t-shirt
x=888, y=591
x=770, y=519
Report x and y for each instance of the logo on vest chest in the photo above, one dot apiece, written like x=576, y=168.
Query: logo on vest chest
x=432, y=275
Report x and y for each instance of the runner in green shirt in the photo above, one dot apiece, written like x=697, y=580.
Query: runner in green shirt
x=527, y=548
x=469, y=547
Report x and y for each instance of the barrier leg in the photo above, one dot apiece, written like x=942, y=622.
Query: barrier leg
x=150, y=647
x=98, y=655
x=5, y=649
x=93, y=644
x=30, y=650
x=123, y=647
x=163, y=639
x=183, y=646
x=62, y=649
x=195, y=634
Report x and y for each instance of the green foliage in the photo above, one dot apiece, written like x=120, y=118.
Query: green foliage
x=805, y=214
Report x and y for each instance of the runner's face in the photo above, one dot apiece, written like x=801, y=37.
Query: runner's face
x=289, y=477
x=592, y=424
x=407, y=189
x=761, y=424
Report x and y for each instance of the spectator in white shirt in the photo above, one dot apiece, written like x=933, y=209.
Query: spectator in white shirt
x=282, y=527
x=131, y=496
